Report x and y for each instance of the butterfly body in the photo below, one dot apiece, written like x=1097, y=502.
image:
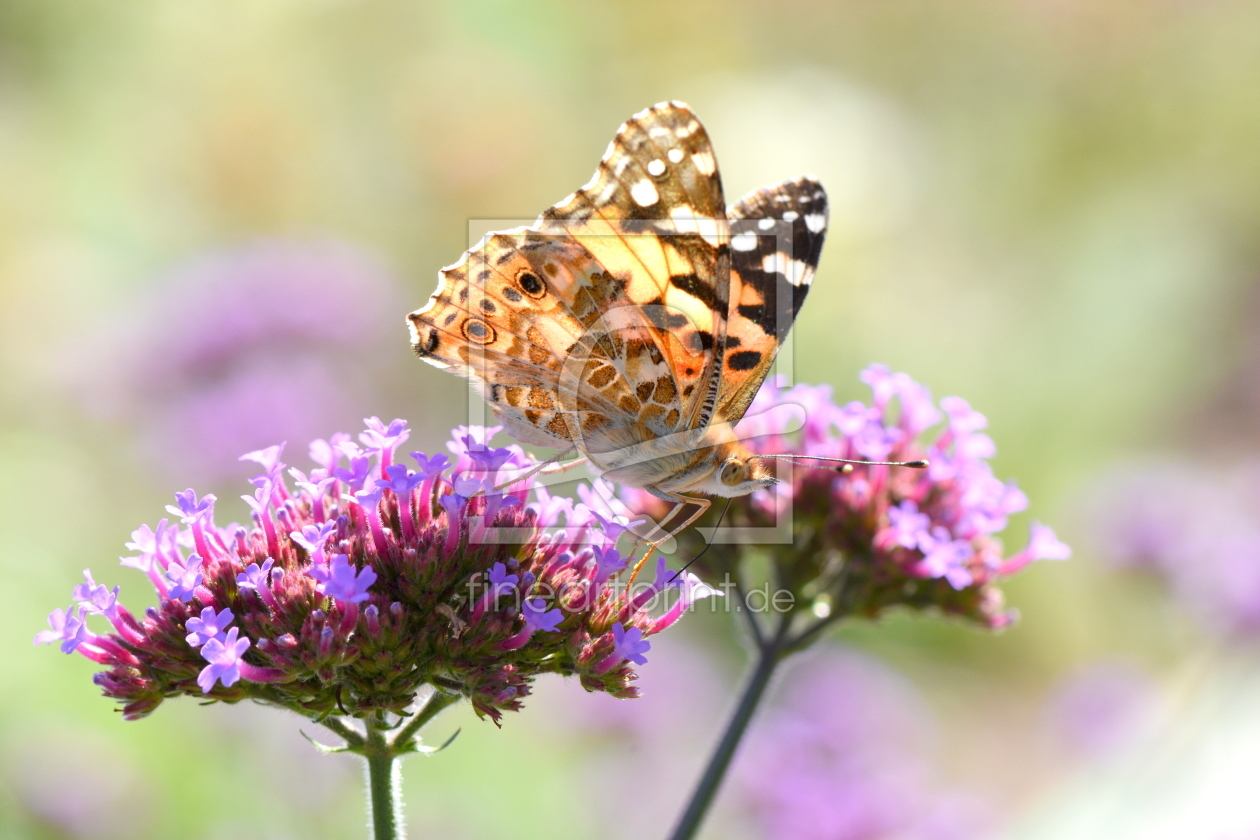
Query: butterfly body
x=678, y=464
x=635, y=320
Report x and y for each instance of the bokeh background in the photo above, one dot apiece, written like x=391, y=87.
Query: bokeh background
x=214, y=216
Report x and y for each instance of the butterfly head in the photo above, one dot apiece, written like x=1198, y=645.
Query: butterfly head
x=736, y=472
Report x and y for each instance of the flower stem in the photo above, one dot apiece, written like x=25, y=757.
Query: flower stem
x=384, y=796
x=381, y=753
x=769, y=653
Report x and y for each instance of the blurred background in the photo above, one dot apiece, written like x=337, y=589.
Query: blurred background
x=215, y=215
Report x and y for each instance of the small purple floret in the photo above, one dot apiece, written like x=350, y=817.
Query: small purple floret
x=208, y=626
x=501, y=583
x=359, y=472
x=538, y=617
x=400, y=479
x=486, y=458
x=608, y=562
x=224, y=657
x=189, y=507
x=381, y=438
x=313, y=538
x=96, y=598
x=253, y=577
x=68, y=628
x=268, y=459
x=430, y=467
x=341, y=581
x=184, y=578
x=630, y=644
x=909, y=526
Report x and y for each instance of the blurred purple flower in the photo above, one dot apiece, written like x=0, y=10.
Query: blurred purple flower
x=233, y=349
x=71, y=782
x=1102, y=708
x=844, y=755
x=1195, y=526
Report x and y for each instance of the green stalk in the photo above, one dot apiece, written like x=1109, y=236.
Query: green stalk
x=383, y=781
x=381, y=754
x=769, y=654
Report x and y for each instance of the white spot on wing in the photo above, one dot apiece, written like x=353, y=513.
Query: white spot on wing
x=675, y=155
x=704, y=163
x=606, y=193
x=644, y=194
x=790, y=216
x=744, y=241
x=687, y=221
x=815, y=222
x=780, y=263
x=656, y=168
x=765, y=224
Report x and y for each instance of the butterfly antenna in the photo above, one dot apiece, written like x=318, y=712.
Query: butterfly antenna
x=921, y=464
x=707, y=545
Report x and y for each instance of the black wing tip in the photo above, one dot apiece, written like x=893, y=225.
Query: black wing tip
x=803, y=189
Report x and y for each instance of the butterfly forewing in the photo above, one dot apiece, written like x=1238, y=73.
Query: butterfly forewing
x=654, y=217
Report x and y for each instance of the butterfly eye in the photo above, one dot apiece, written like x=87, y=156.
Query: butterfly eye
x=733, y=472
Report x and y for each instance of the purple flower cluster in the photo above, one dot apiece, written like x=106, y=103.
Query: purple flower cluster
x=237, y=348
x=845, y=756
x=363, y=580
x=885, y=535
x=1195, y=526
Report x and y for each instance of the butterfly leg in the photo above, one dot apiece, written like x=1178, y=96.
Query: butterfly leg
x=680, y=502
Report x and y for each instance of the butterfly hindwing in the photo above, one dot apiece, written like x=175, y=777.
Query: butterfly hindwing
x=776, y=239
x=495, y=320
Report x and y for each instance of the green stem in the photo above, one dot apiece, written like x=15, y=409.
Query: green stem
x=769, y=653
x=381, y=752
x=384, y=796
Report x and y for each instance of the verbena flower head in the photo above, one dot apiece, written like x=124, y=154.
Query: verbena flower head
x=879, y=536
x=362, y=580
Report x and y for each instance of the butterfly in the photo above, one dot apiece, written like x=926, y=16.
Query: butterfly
x=635, y=320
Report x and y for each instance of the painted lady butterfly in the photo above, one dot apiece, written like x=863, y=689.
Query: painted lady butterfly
x=634, y=321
